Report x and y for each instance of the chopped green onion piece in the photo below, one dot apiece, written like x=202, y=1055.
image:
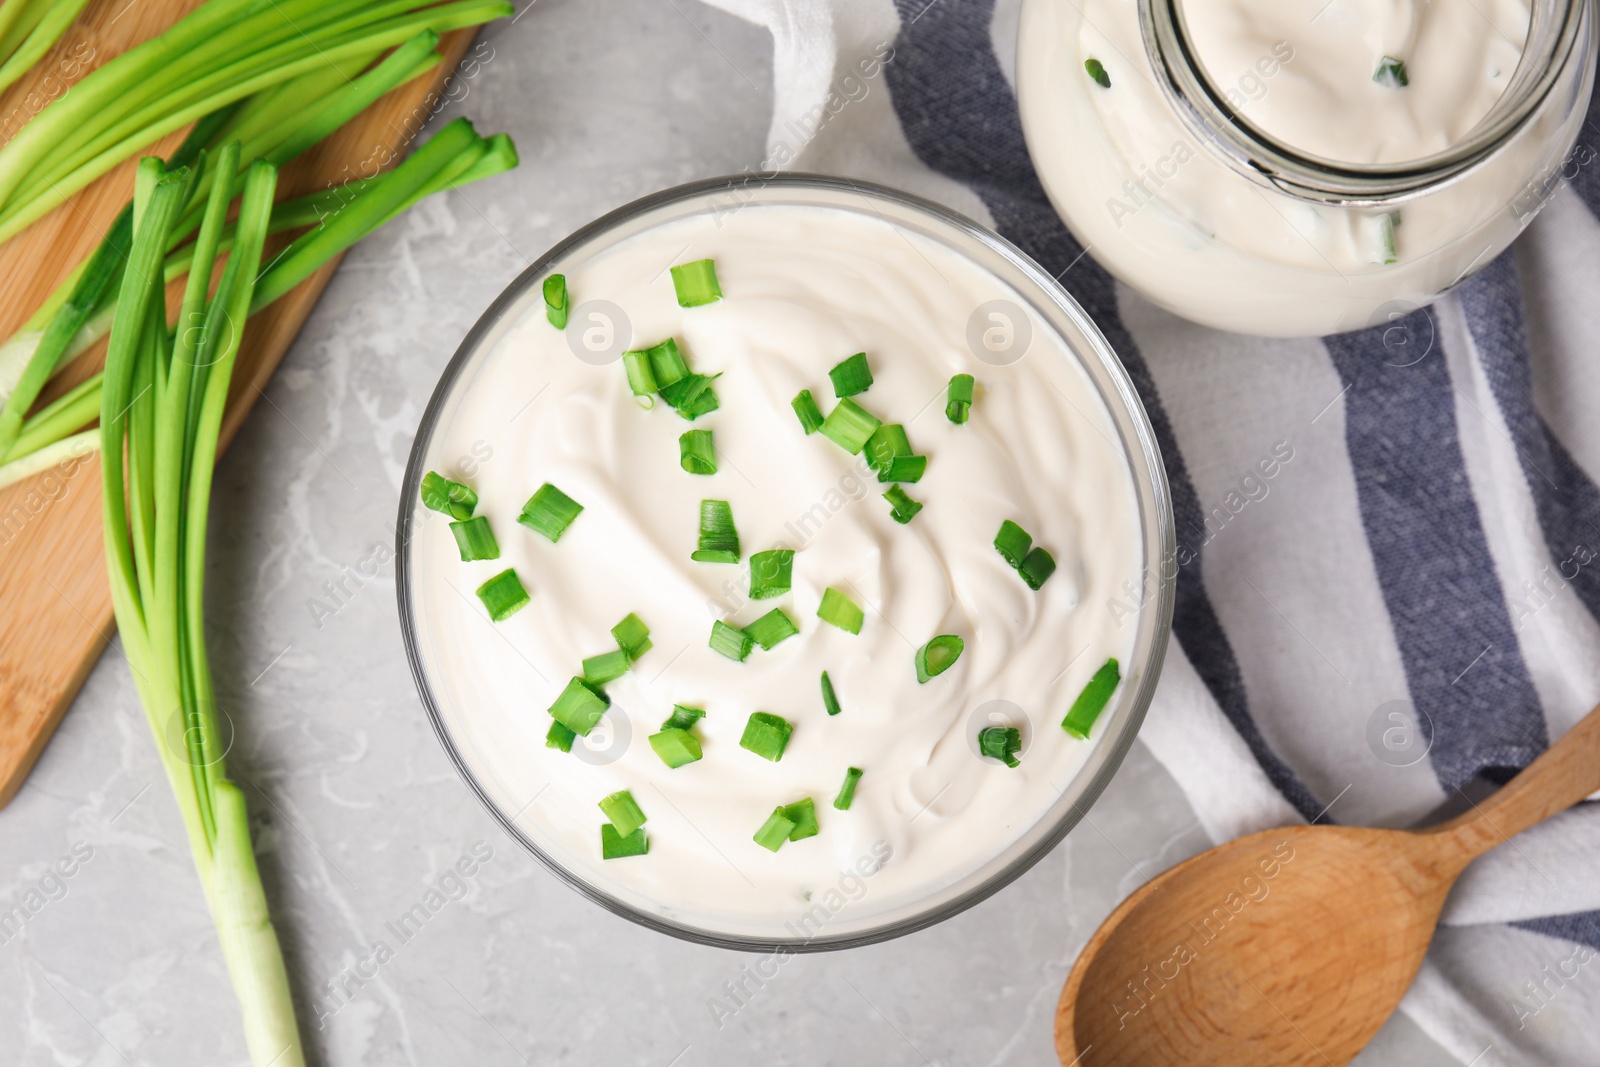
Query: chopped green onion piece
x=696, y=453
x=676, y=747
x=632, y=635
x=887, y=442
x=623, y=811
x=1386, y=237
x=1391, y=72
x=719, y=540
x=452, y=498
x=1001, y=743
x=803, y=813
x=775, y=831
x=847, y=791
x=771, y=628
x=1097, y=71
x=851, y=376
x=683, y=718
x=771, y=573
x=1092, y=701
x=692, y=396
x=830, y=700
x=606, y=667
x=901, y=507
x=904, y=469
x=615, y=846
x=766, y=735
x=641, y=380
x=579, y=707
x=555, y=300
x=731, y=641
x=696, y=283
x=806, y=408
x=960, y=399
x=560, y=736
x=938, y=655
x=1013, y=542
x=503, y=595
x=840, y=610
x=668, y=364
x=463, y=501
x=549, y=511
x=1037, y=566
x=849, y=425
x=475, y=539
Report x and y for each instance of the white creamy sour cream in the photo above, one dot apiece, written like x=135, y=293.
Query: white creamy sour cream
x=1166, y=215
x=804, y=288
x=1458, y=57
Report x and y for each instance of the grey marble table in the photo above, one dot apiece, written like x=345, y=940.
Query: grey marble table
x=357, y=812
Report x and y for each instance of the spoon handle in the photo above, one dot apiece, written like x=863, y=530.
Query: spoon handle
x=1564, y=774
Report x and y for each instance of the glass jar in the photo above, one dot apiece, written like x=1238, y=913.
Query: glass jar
x=1163, y=178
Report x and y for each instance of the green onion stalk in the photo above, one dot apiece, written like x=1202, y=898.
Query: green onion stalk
x=339, y=217
x=29, y=29
x=161, y=407
x=277, y=125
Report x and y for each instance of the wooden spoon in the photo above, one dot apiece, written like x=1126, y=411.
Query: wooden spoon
x=1290, y=946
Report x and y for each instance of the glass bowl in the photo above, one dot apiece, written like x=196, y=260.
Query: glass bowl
x=513, y=802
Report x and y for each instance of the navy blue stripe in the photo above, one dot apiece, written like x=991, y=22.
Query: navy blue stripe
x=1463, y=665
x=1582, y=927
x=1566, y=499
x=960, y=117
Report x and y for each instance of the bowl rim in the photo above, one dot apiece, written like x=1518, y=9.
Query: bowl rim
x=1161, y=602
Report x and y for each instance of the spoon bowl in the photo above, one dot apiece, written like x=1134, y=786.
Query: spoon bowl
x=1290, y=946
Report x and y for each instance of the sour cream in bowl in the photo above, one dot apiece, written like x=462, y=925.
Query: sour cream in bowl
x=734, y=436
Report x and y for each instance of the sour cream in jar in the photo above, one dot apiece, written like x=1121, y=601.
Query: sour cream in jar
x=1294, y=167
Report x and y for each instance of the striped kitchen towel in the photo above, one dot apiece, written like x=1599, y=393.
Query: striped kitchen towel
x=1407, y=607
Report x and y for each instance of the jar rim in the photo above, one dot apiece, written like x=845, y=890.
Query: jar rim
x=1202, y=105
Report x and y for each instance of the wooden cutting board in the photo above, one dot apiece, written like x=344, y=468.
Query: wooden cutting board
x=55, y=606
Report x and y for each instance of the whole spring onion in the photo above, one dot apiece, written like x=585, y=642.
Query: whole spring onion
x=223, y=51
x=161, y=412
x=79, y=313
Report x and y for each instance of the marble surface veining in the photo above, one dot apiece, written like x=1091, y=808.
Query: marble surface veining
x=358, y=816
